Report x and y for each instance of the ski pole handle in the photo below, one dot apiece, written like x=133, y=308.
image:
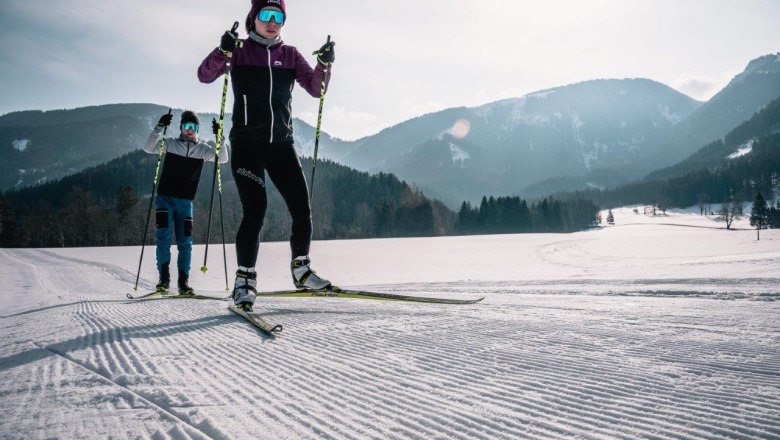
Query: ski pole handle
x=317, y=52
x=239, y=43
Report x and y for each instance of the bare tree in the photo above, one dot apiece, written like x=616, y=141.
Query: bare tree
x=729, y=212
x=663, y=203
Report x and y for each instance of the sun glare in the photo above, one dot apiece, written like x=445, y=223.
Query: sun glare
x=460, y=128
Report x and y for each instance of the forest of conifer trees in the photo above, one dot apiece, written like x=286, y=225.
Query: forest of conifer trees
x=108, y=205
x=513, y=215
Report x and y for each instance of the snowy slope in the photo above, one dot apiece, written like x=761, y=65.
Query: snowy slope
x=501, y=147
x=664, y=327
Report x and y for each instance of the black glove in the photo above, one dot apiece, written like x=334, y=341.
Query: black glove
x=326, y=55
x=228, y=42
x=165, y=120
x=214, y=126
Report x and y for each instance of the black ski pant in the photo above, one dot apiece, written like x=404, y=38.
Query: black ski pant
x=249, y=161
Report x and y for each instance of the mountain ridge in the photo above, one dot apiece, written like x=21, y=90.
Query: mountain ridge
x=500, y=147
x=591, y=133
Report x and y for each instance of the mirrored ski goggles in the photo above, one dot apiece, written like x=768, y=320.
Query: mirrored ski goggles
x=267, y=14
x=190, y=126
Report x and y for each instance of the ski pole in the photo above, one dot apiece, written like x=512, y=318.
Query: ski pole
x=221, y=216
x=216, y=167
x=222, y=224
x=317, y=132
x=151, y=202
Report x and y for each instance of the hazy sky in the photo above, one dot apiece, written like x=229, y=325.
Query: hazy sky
x=394, y=61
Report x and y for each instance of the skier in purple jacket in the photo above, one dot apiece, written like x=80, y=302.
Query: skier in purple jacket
x=263, y=72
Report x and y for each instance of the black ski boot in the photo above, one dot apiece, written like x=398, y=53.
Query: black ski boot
x=184, y=287
x=165, y=278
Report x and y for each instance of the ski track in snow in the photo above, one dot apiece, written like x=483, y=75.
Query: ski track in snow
x=578, y=356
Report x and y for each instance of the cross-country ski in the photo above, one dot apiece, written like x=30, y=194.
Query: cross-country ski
x=256, y=319
x=165, y=294
x=337, y=292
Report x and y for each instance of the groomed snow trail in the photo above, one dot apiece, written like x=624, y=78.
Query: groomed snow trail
x=693, y=354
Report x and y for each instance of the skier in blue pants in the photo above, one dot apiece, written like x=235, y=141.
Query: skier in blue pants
x=179, y=178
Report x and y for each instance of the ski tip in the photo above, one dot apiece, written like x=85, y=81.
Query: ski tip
x=130, y=296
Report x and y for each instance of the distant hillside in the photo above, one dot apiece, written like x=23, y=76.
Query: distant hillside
x=38, y=147
x=499, y=148
x=90, y=208
x=745, y=95
x=594, y=134
x=738, y=142
x=107, y=206
x=747, y=162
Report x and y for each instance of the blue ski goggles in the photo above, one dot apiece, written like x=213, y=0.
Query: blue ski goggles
x=267, y=14
x=190, y=126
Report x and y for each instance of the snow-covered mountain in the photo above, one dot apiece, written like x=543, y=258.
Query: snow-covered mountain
x=37, y=146
x=736, y=143
x=499, y=148
x=41, y=146
x=745, y=95
x=592, y=134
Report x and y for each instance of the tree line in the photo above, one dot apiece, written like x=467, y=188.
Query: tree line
x=514, y=215
x=108, y=205
x=739, y=180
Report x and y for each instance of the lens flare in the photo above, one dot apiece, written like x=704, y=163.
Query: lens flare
x=460, y=128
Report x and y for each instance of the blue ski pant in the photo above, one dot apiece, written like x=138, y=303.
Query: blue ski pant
x=174, y=214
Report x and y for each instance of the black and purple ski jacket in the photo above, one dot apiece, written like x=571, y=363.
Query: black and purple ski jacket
x=263, y=78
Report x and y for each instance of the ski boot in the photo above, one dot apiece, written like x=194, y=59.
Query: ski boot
x=165, y=278
x=184, y=287
x=304, y=277
x=245, y=288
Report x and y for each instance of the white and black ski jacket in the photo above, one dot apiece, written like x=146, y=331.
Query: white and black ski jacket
x=183, y=162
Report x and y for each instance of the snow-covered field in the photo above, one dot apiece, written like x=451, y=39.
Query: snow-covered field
x=665, y=327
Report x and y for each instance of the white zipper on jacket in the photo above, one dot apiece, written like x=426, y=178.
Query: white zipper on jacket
x=270, y=93
x=246, y=118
